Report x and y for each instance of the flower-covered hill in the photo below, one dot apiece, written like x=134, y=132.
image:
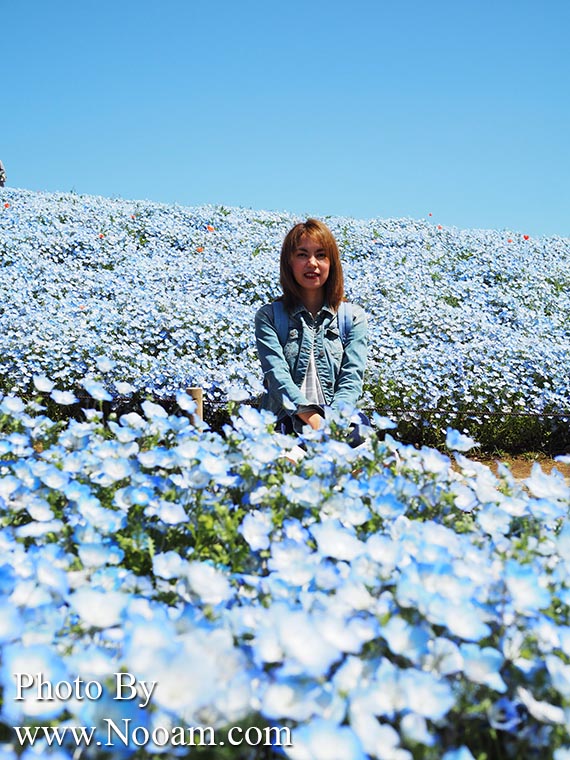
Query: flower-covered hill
x=460, y=320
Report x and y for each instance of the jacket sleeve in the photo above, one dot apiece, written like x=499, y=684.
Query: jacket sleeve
x=276, y=372
x=349, y=382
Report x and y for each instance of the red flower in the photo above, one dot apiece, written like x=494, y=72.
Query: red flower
x=430, y=214
x=6, y=205
x=510, y=240
x=199, y=249
x=133, y=216
x=210, y=228
x=526, y=237
x=101, y=235
x=439, y=227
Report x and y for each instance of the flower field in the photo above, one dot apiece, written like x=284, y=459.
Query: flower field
x=391, y=602
x=467, y=328
x=378, y=603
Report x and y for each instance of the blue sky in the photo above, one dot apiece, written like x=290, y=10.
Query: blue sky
x=381, y=109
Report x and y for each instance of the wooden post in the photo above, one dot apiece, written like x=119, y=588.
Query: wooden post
x=197, y=395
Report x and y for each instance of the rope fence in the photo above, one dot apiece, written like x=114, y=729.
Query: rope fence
x=203, y=403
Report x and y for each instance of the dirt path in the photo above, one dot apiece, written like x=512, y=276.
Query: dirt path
x=521, y=466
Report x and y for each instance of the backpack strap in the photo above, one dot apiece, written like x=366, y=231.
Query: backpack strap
x=281, y=319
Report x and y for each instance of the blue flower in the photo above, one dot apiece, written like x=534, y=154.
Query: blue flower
x=255, y=528
x=325, y=740
x=457, y=441
x=64, y=398
x=483, y=665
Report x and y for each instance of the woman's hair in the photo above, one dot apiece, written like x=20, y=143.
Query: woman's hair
x=334, y=285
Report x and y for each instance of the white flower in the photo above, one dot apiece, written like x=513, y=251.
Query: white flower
x=209, y=584
x=256, y=527
x=99, y=609
x=542, y=711
x=457, y=441
x=64, y=398
x=42, y=383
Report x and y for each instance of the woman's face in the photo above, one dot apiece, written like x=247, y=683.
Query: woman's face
x=310, y=264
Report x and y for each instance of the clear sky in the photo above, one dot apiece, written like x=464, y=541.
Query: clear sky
x=363, y=108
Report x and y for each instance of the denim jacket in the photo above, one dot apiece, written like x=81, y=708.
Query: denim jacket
x=340, y=368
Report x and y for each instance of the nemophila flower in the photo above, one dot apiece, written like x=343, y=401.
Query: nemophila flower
x=168, y=512
x=404, y=639
x=542, y=711
x=336, y=541
x=208, y=583
x=290, y=698
x=96, y=390
x=443, y=657
x=124, y=388
x=462, y=619
x=457, y=441
x=12, y=405
x=562, y=540
x=52, y=577
x=42, y=383
x=185, y=402
x=65, y=398
x=9, y=484
x=527, y=590
x=483, y=665
x=388, y=506
x=104, y=364
x=548, y=511
x=100, y=554
x=462, y=753
x=382, y=423
x=505, y=715
x=255, y=529
x=494, y=520
x=235, y=393
x=425, y=694
x=414, y=728
x=20, y=703
x=153, y=411
x=11, y=623
x=169, y=565
x=7, y=752
x=123, y=713
x=559, y=672
x=38, y=529
x=325, y=740
x=98, y=609
x=379, y=740
x=465, y=498
x=303, y=641
x=547, y=486
x=293, y=562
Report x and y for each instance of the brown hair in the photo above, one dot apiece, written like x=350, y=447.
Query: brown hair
x=334, y=285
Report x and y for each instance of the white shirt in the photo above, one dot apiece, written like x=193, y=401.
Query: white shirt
x=311, y=385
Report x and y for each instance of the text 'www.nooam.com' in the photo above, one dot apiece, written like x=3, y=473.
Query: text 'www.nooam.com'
x=123, y=733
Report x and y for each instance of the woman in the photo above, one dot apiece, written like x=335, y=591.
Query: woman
x=312, y=343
